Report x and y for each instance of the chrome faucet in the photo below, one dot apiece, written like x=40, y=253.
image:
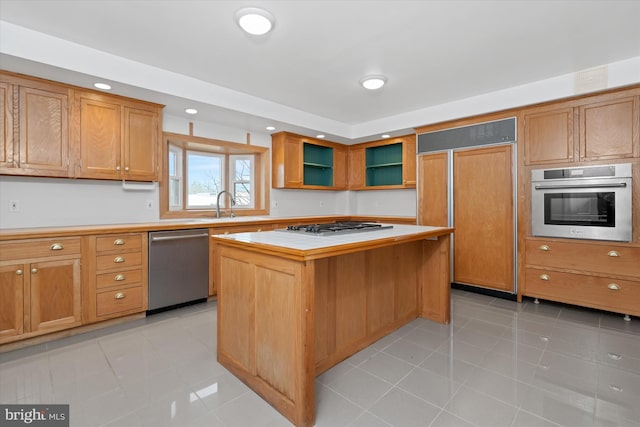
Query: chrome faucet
x=233, y=202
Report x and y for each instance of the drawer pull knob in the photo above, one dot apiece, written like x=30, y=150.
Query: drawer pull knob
x=126, y=168
x=613, y=253
x=119, y=277
x=615, y=388
x=544, y=277
x=119, y=295
x=57, y=247
x=614, y=356
x=34, y=270
x=19, y=272
x=613, y=287
x=117, y=168
x=118, y=242
x=118, y=259
x=545, y=248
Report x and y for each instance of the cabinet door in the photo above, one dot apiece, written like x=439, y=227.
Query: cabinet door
x=6, y=126
x=610, y=129
x=549, y=136
x=44, y=131
x=433, y=206
x=292, y=163
x=11, y=300
x=357, y=162
x=55, y=295
x=409, y=162
x=141, y=148
x=100, y=138
x=340, y=168
x=483, y=217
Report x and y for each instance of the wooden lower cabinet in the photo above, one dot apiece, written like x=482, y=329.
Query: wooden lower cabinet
x=116, y=277
x=605, y=293
x=598, y=275
x=40, y=287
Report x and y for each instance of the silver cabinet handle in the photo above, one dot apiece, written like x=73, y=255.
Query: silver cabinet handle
x=119, y=277
x=613, y=287
x=119, y=295
x=613, y=253
x=118, y=242
x=56, y=247
x=118, y=259
x=544, y=277
x=544, y=248
x=614, y=356
x=19, y=272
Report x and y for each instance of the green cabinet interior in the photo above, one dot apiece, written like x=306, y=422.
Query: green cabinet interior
x=384, y=165
x=317, y=165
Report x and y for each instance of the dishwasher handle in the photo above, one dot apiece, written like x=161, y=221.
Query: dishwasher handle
x=186, y=236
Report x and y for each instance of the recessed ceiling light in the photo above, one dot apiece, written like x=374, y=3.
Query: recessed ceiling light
x=255, y=21
x=373, y=82
x=270, y=128
x=102, y=86
x=385, y=136
x=320, y=136
x=191, y=111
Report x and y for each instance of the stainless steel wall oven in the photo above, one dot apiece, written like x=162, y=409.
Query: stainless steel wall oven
x=590, y=202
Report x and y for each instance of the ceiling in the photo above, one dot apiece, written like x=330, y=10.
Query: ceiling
x=303, y=76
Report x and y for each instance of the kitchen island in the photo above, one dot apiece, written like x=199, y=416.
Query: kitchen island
x=292, y=305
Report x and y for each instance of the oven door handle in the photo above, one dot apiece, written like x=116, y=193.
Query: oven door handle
x=570, y=186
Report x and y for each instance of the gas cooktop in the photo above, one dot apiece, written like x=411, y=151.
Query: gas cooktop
x=340, y=227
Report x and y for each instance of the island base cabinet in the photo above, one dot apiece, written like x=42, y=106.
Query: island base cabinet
x=268, y=300
x=282, y=320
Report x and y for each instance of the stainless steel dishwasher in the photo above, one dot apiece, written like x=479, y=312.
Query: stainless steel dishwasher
x=178, y=268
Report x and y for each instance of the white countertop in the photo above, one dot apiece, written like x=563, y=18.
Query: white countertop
x=307, y=241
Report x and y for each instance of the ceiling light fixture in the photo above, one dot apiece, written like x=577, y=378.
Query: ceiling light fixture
x=270, y=128
x=255, y=21
x=385, y=136
x=102, y=86
x=191, y=111
x=373, y=82
x=320, y=136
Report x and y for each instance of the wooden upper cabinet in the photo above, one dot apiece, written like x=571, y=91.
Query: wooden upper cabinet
x=6, y=125
x=286, y=169
x=383, y=164
x=44, y=131
x=301, y=162
x=34, y=124
x=549, y=135
x=610, y=129
x=340, y=166
x=357, y=171
x=116, y=139
x=409, y=157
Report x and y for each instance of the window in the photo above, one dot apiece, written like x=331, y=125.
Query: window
x=198, y=169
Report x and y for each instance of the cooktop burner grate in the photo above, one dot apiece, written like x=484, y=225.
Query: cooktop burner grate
x=340, y=227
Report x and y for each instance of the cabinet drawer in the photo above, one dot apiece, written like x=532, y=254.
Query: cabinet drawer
x=119, y=301
x=607, y=259
x=621, y=296
x=125, y=242
x=122, y=260
x=118, y=278
x=36, y=248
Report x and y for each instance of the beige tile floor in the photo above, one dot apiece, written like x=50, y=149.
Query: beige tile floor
x=499, y=363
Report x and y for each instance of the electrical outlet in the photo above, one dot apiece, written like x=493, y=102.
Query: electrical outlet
x=149, y=204
x=14, y=205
